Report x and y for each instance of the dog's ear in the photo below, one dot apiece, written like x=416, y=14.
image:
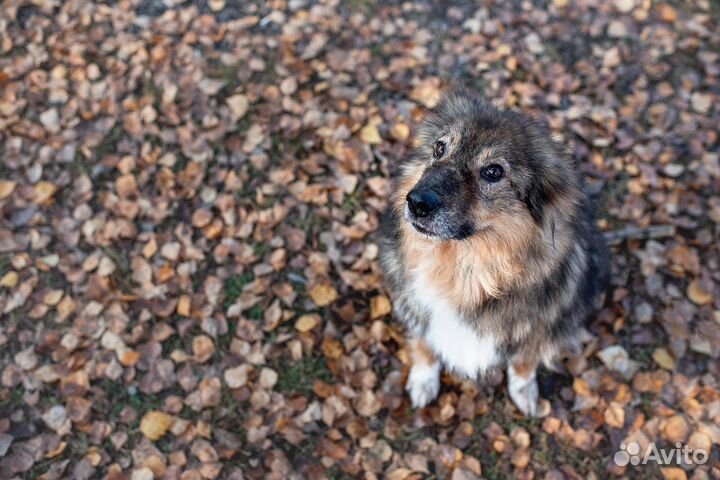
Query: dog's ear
x=552, y=182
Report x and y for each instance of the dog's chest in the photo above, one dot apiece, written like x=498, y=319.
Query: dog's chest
x=459, y=347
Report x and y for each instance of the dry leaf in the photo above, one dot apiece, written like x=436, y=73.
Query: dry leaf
x=10, y=279
x=323, y=294
x=663, y=358
x=379, y=306
x=155, y=424
x=696, y=293
x=370, y=134
x=203, y=348
x=238, y=105
x=400, y=131
x=6, y=188
x=44, y=192
x=427, y=92
x=307, y=322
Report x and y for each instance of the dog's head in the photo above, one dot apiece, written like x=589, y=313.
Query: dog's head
x=479, y=169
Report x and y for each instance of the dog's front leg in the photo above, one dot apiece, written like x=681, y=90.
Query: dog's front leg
x=423, y=383
x=523, y=386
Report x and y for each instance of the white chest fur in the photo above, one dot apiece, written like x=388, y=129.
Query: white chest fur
x=459, y=347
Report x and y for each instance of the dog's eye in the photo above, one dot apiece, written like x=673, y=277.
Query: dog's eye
x=439, y=149
x=492, y=173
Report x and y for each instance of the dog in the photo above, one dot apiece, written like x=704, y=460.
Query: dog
x=489, y=249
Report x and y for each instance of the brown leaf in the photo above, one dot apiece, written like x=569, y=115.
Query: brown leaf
x=323, y=294
x=203, y=348
x=44, y=191
x=615, y=415
x=6, y=188
x=667, y=13
x=696, y=293
x=673, y=473
x=675, y=429
x=663, y=358
x=427, y=92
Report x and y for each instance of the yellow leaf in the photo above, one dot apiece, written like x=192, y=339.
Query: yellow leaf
x=307, y=322
x=369, y=134
x=6, y=188
x=400, y=131
x=57, y=450
x=155, y=424
x=323, y=294
x=183, y=306
x=696, y=293
x=44, y=192
x=10, y=279
x=379, y=306
x=663, y=358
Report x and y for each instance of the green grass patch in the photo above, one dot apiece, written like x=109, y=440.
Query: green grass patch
x=300, y=377
x=234, y=285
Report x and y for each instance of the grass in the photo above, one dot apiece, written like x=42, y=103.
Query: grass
x=301, y=453
x=11, y=399
x=300, y=377
x=256, y=313
x=5, y=265
x=122, y=276
x=233, y=287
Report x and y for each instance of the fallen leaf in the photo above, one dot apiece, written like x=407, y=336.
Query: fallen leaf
x=323, y=294
x=307, y=322
x=370, y=135
x=696, y=293
x=667, y=13
x=427, y=92
x=237, y=377
x=400, y=131
x=616, y=358
x=155, y=424
x=6, y=188
x=663, y=358
x=203, y=348
x=216, y=5
x=44, y=192
x=379, y=306
x=10, y=279
x=238, y=105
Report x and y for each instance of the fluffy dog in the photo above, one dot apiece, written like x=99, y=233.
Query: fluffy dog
x=489, y=249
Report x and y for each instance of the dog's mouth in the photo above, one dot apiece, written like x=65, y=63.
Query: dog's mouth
x=421, y=229
x=418, y=225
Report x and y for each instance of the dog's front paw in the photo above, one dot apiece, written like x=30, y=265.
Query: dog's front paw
x=524, y=393
x=423, y=384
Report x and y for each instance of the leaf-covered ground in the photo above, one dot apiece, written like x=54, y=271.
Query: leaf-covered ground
x=189, y=193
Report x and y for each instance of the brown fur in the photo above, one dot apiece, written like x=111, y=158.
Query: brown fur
x=486, y=264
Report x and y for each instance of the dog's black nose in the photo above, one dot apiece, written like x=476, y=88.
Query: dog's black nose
x=422, y=202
